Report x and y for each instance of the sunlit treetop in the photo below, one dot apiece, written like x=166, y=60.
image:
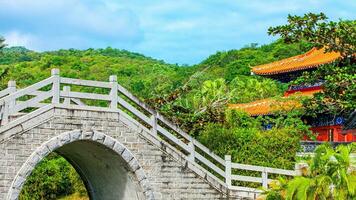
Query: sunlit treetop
x=337, y=36
x=2, y=42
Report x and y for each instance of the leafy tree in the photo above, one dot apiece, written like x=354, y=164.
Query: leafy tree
x=212, y=94
x=246, y=89
x=338, y=96
x=11, y=55
x=330, y=175
x=2, y=42
x=52, y=177
x=241, y=136
x=207, y=103
x=315, y=28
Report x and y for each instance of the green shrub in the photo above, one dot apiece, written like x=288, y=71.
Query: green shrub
x=273, y=148
x=52, y=177
x=330, y=174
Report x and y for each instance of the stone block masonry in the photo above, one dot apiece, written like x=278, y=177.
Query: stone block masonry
x=130, y=153
x=152, y=168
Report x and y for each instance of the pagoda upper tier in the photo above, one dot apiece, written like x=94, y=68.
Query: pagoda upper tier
x=309, y=60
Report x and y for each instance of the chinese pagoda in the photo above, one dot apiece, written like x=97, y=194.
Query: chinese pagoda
x=326, y=128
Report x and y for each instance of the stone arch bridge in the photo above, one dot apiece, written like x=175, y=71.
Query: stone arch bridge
x=121, y=148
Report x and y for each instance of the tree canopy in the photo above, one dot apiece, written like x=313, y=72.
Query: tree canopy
x=337, y=36
x=328, y=175
x=2, y=42
x=338, y=97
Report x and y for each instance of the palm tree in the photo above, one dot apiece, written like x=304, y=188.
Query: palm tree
x=214, y=93
x=2, y=44
x=331, y=175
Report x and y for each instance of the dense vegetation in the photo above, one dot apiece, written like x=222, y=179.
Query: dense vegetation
x=143, y=76
x=338, y=98
x=2, y=42
x=194, y=97
x=330, y=175
x=53, y=177
x=338, y=36
x=221, y=78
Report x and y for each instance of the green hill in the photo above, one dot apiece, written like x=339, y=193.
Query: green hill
x=194, y=97
x=144, y=76
x=178, y=91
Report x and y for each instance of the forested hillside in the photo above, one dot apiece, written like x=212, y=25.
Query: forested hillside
x=189, y=95
x=144, y=76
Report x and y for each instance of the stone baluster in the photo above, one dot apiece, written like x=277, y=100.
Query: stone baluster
x=55, y=86
x=113, y=92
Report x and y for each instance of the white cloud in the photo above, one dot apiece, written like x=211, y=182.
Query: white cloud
x=180, y=25
x=15, y=38
x=183, y=31
x=91, y=22
x=272, y=7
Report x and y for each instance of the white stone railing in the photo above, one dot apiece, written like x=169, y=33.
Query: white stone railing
x=56, y=90
x=265, y=171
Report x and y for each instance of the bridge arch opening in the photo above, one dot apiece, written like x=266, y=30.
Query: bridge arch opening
x=107, y=168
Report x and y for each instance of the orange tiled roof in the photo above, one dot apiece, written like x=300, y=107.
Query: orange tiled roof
x=270, y=105
x=307, y=93
x=310, y=59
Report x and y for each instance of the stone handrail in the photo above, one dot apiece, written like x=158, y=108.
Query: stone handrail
x=310, y=146
x=265, y=171
x=121, y=99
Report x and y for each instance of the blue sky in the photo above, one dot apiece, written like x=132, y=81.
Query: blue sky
x=178, y=31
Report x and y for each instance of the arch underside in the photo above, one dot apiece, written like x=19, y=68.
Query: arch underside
x=108, y=169
x=105, y=174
